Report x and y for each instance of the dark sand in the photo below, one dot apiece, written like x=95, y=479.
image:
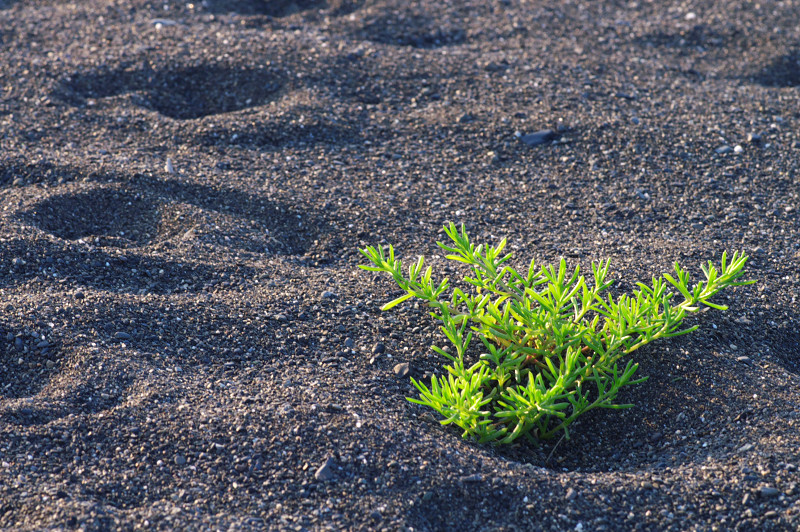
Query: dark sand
x=186, y=349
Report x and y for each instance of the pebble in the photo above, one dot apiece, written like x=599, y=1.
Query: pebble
x=477, y=477
x=402, y=369
x=120, y=335
x=768, y=491
x=746, y=447
x=163, y=22
x=285, y=409
x=349, y=343
x=724, y=149
x=539, y=137
x=753, y=138
x=19, y=345
x=325, y=471
x=79, y=295
x=180, y=459
x=378, y=349
x=327, y=294
x=743, y=359
x=570, y=494
x=169, y=168
x=738, y=149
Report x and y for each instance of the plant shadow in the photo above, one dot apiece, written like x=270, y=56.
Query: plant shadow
x=698, y=384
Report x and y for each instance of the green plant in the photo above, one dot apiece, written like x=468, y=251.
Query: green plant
x=553, y=344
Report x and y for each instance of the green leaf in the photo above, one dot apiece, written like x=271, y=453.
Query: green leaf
x=549, y=344
x=397, y=301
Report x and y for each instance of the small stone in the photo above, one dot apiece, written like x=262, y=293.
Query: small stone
x=325, y=471
x=401, y=370
x=327, y=294
x=180, y=460
x=43, y=344
x=753, y=138
x=465, y=118
x=376, y=515
x=161, y=22
x=746, y=447
x=169, y=168
x=539, y=137
x=428, y=495
x=477, y=477
x=724, y=149
x=120, y=335
x=378, y=349
x=746, y=498
x=349, y=343
x=743, y=359
x=19, y=345
x=50, y=364
x=738, y=149
x=768, y=491
x=570, y=494
x=79, y=295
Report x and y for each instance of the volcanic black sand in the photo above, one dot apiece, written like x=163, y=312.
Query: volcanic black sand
x=191, y=345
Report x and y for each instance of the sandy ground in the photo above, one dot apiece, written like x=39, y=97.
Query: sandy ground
x=193, y=346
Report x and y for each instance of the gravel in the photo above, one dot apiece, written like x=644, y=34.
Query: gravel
x=186, y=341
